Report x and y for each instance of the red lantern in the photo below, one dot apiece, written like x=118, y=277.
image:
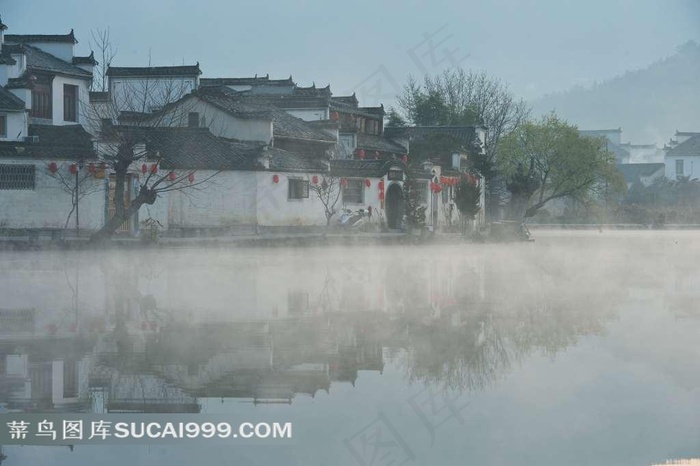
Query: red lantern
x=103, y=166
x=172, y=176
x=404, y=159
x=144, y=168
x=381, y=195
x=368, y=183
x=344, y=182
x=190, y=177
x=361, y=154
x=53, y=167
x=73, y=169
x=154, y=168
x=381, y=185
x=335, y=116
x=275, y=179
x=314, y=179
x=92, y=168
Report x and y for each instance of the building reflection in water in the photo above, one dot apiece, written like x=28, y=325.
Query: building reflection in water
x=147, y=333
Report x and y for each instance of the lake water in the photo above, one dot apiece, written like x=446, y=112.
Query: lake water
x=582, y=348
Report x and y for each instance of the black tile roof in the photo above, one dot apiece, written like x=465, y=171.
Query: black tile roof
x=195, y=148
x=29, y=38
x=89, y=60
x=69, y=142
x=254, y=81
x=251, y=107
x=371, y=142
x=688, y=148
x=146, y=71
x=38, y=60
x=97, y=96
x=282, y=160
x=364, y=168
x=346, y=99
x=23, y=82
x=198, y=149
x=463, y=134
x=9, y=101
x=66, y=135
x=633, y=171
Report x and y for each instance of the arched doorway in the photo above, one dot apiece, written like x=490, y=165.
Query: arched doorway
x=394, y=207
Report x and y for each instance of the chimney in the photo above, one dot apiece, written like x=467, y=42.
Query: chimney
x=193, y=119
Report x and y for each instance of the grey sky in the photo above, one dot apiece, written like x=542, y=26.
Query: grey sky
x=363, y=45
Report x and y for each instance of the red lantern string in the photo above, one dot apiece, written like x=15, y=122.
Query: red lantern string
x=344, y=182
x=73, y=169
x=53, y=167
x=154, y=168
x=275, y=179
x=368, y=183
x=314, y=179
x=381, y=185
x=172, y=176
x=190, y=177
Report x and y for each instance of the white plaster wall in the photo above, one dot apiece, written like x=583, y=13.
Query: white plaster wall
x=691, y=166
x=309, y=114
x=57, y=99
x=130, y=92
x=64, y=51
x=12, y=71
x=47, y=206
x=220, y=123
x=226, y=200
x=275, y=209
x=25, y=95
x=16, y=126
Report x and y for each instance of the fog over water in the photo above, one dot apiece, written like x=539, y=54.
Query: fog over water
x=579, y=348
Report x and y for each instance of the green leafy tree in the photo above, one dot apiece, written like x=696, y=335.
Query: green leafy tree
x=414, y=207
x=548, y=159
x=467, y=197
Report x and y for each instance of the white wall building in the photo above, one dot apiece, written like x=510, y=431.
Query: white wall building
x=683, y=159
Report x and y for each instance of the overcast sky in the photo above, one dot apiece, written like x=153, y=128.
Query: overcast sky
x=370, y=46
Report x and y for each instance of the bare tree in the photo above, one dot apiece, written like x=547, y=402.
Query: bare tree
x=327, y=190
x=77, y=181
x=100, y=40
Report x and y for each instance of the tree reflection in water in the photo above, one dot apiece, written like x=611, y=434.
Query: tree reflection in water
x=149, y=333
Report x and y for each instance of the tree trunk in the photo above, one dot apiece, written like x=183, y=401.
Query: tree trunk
x=145, y=196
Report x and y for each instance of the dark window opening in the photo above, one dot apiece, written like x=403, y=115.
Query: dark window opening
x=41, y=101
x=193, y=119
x=354, y=192
x=70, y=103
x=17, y=177
x=298, y=189
x=3, y=126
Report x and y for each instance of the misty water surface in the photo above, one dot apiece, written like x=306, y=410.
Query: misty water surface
x=580, y=348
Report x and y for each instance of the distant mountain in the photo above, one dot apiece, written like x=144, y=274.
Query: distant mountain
x=649, y=104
